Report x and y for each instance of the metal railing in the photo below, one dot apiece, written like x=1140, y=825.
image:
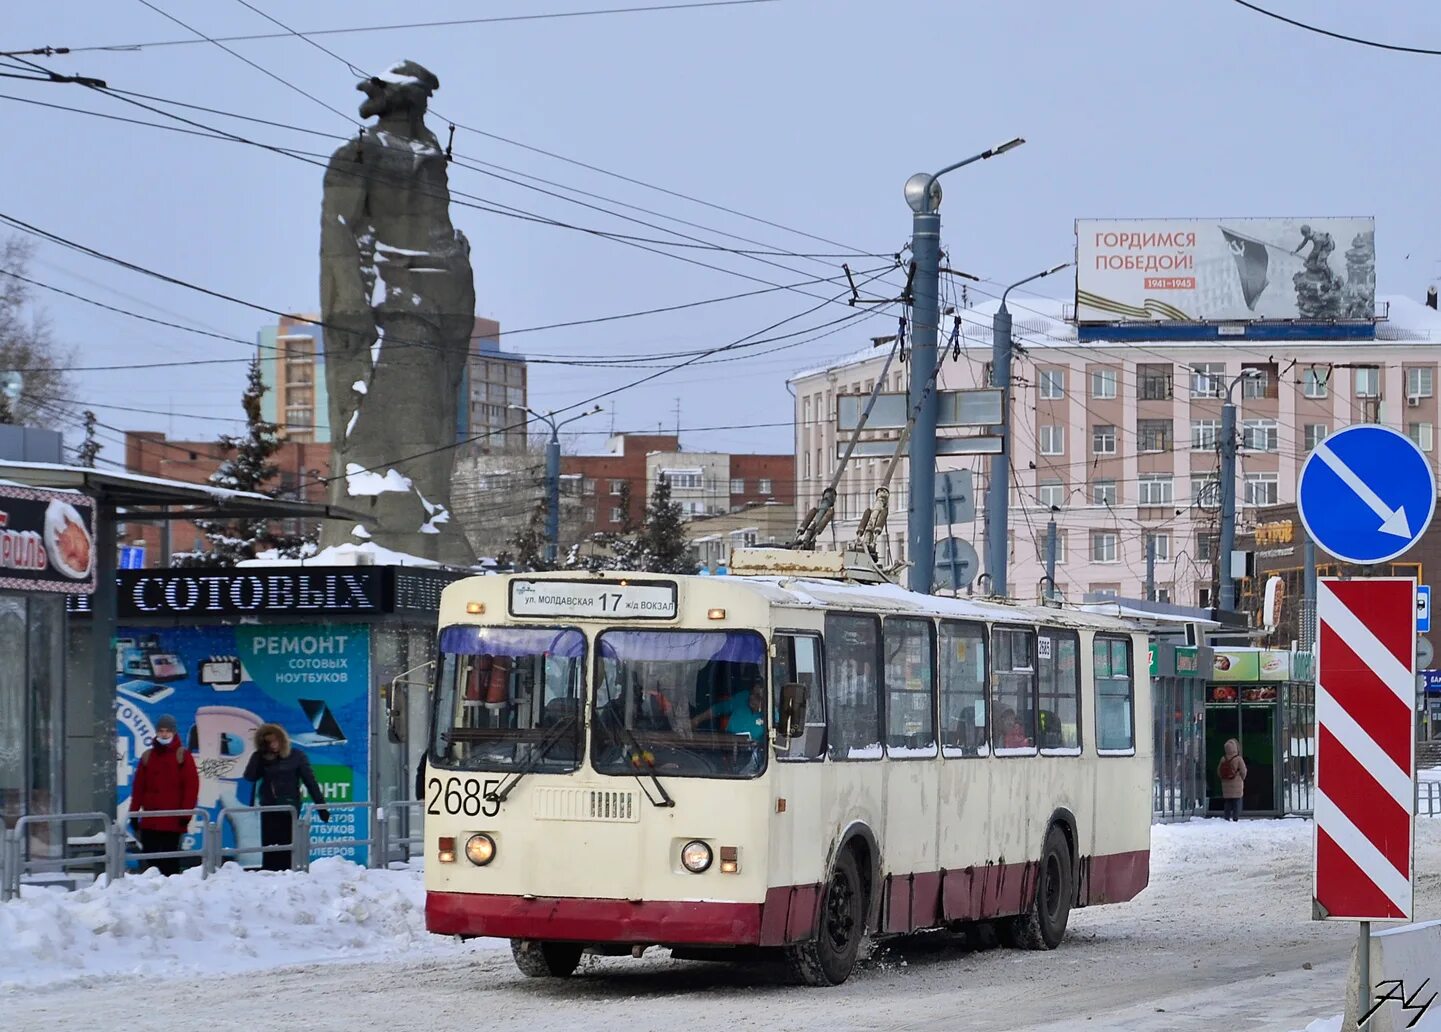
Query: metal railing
x=114, y=844
x=412, y=844
x=1428, y=799
x=219, y=852
x=13, y=842
x=206, y=832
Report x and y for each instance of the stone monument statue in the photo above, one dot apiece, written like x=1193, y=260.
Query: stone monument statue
x=398, y=301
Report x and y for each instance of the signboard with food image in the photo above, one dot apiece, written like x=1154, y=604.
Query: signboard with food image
x=47, y=540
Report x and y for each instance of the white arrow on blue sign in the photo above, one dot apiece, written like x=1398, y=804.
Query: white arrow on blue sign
x=1366, y=494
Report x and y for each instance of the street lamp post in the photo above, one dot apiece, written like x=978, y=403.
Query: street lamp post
x=552, y=475
x=1228, y=487
x=998, y=492
x=923, y=195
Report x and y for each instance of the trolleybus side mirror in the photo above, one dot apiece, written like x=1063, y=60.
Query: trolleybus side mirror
x=397, y=700
x=792, y=722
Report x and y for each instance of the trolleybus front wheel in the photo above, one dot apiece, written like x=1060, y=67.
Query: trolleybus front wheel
x=1043, y=925
x=829, y=958
x=537, y=959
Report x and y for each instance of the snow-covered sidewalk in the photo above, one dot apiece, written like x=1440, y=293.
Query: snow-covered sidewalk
x=237, y=920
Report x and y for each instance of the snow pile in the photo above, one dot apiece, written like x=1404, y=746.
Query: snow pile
x=237, y=920
x=360, y=482
x=1332, y=1024
x=365, y=553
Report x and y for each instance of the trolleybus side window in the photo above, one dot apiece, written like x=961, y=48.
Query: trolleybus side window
x=1115, y=697
x=963, y=689
x=1059, y=718
x=910, y=686
x=798, y=660
x=853, y=678
x=680, y=703
x=1013, y=675
x=509, y=697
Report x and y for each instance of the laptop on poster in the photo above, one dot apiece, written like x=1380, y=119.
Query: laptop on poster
x=327, y=728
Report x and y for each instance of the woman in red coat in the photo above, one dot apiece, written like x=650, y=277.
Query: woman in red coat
x=165, y=779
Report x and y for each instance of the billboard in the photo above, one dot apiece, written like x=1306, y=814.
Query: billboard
x=1214, y=270
x=47, y=540
x=221, y=683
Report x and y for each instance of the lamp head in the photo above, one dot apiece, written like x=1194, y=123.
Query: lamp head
x=923, y=193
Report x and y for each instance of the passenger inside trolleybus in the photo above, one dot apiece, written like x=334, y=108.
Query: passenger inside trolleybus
x=668, y=702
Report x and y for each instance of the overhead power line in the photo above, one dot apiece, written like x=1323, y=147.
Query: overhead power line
x=1377, y=44
x=449, y=23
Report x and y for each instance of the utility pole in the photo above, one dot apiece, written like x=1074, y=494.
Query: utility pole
x=923, y=195
x=552, y=475
x=998, y=493
x=1150, y=567
x=1228, y=491
x=1051, y=557
x=1306, y=633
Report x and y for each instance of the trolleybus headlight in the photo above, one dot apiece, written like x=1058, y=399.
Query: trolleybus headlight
x=480, y=849
x=695, y=856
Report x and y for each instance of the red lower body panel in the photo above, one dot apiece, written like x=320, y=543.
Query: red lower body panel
x=790, y=913
x=594, y=920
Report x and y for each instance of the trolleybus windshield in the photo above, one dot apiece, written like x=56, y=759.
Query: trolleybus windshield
x=509, y=697
x=681, y=703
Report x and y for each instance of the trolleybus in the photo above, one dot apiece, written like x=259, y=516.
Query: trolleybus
x=790, y=760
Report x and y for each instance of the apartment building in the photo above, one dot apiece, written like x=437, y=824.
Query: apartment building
x=1119, y=442
x=494, y=385
x=703, y=483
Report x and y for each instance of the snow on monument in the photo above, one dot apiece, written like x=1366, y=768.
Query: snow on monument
x=398, y=302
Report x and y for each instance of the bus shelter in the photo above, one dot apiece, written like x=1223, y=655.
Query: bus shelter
x=1178, y=704
x=1266, y=700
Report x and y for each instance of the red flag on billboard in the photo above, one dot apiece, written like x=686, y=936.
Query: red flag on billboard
x=1252, y=263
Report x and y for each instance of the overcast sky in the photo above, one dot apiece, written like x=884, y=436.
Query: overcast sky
x=805, y=113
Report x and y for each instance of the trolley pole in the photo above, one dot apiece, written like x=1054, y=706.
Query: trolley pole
x=923, y=195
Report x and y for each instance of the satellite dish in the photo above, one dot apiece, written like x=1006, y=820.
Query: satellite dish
x=11, y=383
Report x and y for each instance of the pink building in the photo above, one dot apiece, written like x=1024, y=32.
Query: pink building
x=1119, y=441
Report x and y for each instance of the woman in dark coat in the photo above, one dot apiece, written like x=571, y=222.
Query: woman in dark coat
x=277, y=770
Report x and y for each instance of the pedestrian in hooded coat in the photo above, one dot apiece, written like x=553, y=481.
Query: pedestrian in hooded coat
x=277, y=769
x=165, y=779
x=1232, y=772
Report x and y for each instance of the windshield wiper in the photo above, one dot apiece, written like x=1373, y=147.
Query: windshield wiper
x=639, y=751
x=504, y=789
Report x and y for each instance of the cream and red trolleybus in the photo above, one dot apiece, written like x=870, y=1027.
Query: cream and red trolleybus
x=793, y=760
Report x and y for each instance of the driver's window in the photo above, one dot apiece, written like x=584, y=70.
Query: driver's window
x=798, y=660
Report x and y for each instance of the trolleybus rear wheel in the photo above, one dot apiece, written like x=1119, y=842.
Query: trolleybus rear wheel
x=537, y=959
x=829, y=958
x=1043, y=925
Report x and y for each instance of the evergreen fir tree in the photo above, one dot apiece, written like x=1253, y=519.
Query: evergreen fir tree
x=662, y=545
x=249, y=467
x=529, y=543
x=90, y=447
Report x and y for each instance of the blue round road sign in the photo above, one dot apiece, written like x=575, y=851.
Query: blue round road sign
x=1366, y=494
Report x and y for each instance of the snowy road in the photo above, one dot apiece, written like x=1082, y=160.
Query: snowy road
x=1221, y=939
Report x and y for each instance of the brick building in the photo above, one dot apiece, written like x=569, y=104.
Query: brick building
x=302, y=464
x=703, y=483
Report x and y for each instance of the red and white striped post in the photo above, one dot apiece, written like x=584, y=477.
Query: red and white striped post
x=1365, y=754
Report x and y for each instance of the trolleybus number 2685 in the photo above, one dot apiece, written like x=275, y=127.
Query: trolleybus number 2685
x=469, y=796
